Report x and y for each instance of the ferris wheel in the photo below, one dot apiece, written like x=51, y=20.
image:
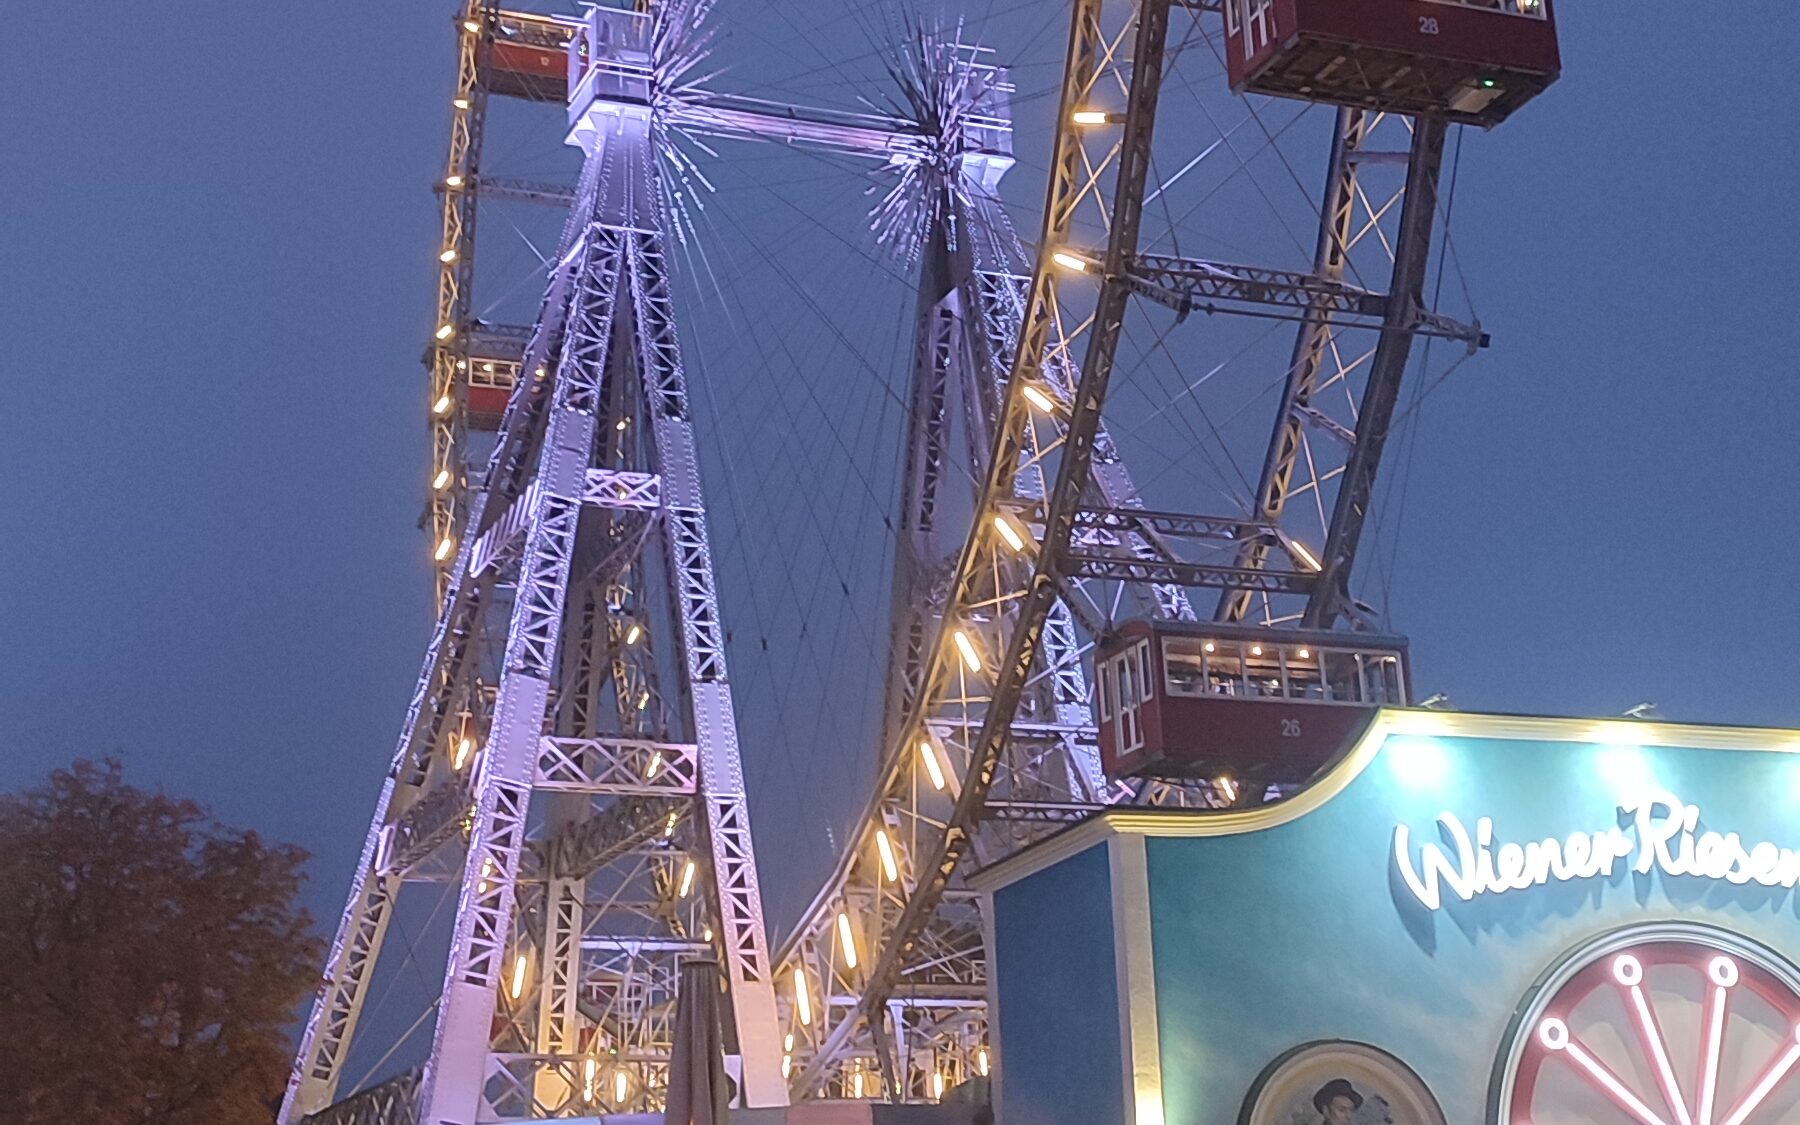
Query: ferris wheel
x=947, y=456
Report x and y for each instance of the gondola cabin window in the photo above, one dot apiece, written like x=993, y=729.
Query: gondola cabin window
x=1126, y=684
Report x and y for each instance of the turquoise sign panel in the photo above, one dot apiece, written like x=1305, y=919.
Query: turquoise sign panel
x=1512, y=930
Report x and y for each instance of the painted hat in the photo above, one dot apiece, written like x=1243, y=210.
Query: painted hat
x=1336, y=1088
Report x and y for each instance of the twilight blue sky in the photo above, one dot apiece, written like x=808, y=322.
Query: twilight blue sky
x=216, y=265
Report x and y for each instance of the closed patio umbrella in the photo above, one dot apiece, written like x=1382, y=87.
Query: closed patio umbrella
x=698, y=1094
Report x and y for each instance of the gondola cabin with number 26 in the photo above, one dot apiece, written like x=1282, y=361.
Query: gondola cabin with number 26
x=1259, y=707
x=1470, y=61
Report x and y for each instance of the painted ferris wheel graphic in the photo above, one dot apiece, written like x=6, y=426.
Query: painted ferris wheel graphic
x=1687, y=1027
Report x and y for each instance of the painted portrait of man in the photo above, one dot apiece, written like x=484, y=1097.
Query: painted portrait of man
x=1337, y=1102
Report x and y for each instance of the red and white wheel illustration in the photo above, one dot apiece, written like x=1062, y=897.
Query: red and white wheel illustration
x=1674, y=1027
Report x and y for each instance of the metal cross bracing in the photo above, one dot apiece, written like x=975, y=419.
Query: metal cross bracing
x=988, y=742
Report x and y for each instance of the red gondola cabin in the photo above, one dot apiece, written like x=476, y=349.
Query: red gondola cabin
x=1263, y=707
x=1473, y=61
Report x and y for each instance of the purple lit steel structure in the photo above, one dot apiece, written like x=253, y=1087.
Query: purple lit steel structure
x=582, y=541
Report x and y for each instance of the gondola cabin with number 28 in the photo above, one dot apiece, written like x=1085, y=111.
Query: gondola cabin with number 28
x=1470, y=61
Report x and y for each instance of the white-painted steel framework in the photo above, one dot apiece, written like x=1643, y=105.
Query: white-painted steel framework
x=605, y=690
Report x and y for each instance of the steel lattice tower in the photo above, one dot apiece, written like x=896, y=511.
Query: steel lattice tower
x=588, y=546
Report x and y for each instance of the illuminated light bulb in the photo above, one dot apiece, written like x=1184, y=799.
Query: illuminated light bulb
x=588, y=1070
x=964, y=645
x=622, y=423
x=448, y=256
x=934, y=771
x=445, y=331
x=1069, y=261
x=518, y=981
x=471, y=26
x=463, y=746
x=462, y=365
x=1038, y=398
x=1009, y=533
x=442, y=479
x=441, y=405
x=1418, y=762
x=802, y=999
x=460, y=103
x=857, y=1084
x=1227, y=786
x=632, y=634
x=687, y=879
x=846, y=941
x=787, y=1065
x=1208, y=646
x=1090, y=117
x=444, y=547
x=787, y=1042
x=643, y=699
x=1302, y=555
x=889, y=867
x=655, y=764
x=937, y=1084
x=669, y=828
x=981, y=1061
x=487, y=867
x=621, y=1086
x=453, y=180
x=488, y=367
x=1255, y=650
x=1305, y=654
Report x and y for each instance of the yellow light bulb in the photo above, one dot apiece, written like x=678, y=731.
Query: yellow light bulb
x=1069, y=261
x=888, y=865
x=802, y=999
x=442, y=479
x=518, y=981
x=964, y=645
x=1036, y=397
x=1090, y=117
x=445, y=331
x=448, y=256
x=687, y=879
x=1008, y=532
x=846, y=940
x=928, y=754
x=444, y=547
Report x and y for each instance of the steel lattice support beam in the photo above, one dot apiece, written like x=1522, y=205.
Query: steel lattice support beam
x=1382, y=392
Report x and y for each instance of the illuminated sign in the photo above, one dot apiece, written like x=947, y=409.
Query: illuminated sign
x=1656, y=832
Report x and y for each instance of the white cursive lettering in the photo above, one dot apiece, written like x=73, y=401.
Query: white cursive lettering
x=1660, y=837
